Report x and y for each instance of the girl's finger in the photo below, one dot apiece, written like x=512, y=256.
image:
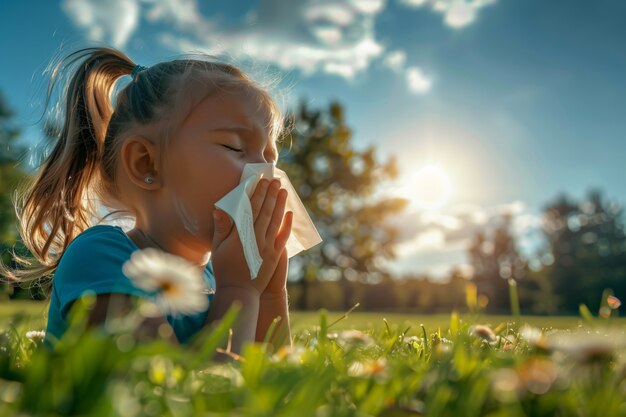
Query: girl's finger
x=256, y=201
x=277, y=216
x=265, y=215
x=285, y=231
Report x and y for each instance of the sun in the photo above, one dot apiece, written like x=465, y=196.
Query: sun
x=429, y=188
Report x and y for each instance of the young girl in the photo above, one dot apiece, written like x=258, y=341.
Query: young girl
x=164, y=149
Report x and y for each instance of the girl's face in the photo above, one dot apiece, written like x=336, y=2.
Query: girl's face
x=206, y=157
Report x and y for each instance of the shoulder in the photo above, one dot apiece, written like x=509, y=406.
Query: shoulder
x=96, y=247
x=93, y=261
x=99, y=233
x=100, y=236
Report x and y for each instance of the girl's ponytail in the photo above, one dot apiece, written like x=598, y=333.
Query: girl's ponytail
x=58, y=204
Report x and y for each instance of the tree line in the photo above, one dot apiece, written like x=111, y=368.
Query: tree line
x=584, y=251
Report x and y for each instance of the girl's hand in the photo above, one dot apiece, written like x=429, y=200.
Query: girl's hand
x=277, y=287
x=272, y=229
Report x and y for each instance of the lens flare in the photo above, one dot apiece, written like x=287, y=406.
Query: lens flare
x=430, y=187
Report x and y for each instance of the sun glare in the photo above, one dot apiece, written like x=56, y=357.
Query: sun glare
x=429, y=188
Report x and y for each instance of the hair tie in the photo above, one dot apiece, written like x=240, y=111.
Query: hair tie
x=137, y=70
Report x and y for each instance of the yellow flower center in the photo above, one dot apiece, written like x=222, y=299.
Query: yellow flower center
x=169, y=289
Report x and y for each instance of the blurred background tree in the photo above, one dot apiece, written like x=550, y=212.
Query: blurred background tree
x=587, y=246
x=495, y=258
x=337, y=183
x=12, y=173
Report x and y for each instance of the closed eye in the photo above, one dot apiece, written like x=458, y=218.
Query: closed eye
x=232, y=149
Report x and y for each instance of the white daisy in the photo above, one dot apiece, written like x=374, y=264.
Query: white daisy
x=290, y=354
x=481, y=331
x=36, y=335
x=369, y=368
x=352, y=338
x=177, y=284
x=533, y=336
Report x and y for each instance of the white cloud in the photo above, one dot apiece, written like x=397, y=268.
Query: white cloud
x=181, y=13
x=332, y=36
x=368, y=6
x=513, y=208
x=460, y=14
x=395, y=60
x=113, y=21
x=431, y=239
x=427, y=238
x=457, y=13
x=414, y=3
x=339, y=14
x=417, y=81
x=440, y=219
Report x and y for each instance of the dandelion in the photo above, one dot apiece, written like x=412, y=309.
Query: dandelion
x=507, y=343
x=480, y=331
x=534, y=336
x=352, y=337
x=613, y=302
x=369, y=368
x=291, y=354
x=178, y=284
x=36, y=335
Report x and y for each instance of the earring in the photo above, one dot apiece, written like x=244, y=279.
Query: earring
x=148, y=179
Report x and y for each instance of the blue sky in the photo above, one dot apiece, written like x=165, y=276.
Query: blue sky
x=512, y=101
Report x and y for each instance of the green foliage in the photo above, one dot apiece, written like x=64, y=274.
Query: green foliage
x=587, y=246
x=495, y=259
x=11, y=173
x=337, y=183
x=467, y=369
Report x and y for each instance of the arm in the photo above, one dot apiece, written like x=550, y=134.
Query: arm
x=116, y=305
x=274, y=306
x=245, y=327
x=232, y=276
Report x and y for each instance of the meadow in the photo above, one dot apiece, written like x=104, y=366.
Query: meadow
x=365, y=364
x=34, y=319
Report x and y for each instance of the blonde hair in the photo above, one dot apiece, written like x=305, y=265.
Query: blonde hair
x=58, y=203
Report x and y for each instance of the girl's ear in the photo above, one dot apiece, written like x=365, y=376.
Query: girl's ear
x=140, y=160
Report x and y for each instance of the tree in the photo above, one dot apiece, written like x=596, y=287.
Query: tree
x=337, y=184
x=11, y=172
x=495, y=259
x=588, y=245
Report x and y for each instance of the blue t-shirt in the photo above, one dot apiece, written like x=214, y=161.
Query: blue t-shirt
x=93, y=262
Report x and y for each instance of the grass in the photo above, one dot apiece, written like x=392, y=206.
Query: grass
x=301, y=320
x=451, y=366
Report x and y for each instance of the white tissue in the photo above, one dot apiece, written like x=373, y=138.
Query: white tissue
x=236, y=203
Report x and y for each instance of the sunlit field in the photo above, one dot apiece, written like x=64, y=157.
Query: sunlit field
x=365, y=364
x=305, y=320
x=343, y=208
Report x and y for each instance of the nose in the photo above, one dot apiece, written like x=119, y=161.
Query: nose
x=257, y=158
